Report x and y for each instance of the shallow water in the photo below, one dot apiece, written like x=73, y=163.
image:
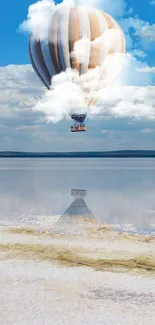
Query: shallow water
x=120, y=192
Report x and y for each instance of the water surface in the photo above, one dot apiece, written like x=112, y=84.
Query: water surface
x=120, y=192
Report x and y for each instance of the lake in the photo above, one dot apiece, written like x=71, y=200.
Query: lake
x=120, y=192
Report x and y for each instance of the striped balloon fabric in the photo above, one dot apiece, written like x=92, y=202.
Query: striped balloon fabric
x=53, y=55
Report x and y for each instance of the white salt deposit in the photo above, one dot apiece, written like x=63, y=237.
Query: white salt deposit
x=42, y=293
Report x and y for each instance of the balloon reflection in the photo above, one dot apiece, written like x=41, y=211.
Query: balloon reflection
x=76, y=214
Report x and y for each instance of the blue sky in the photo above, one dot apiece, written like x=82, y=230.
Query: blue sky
x=14, y=45
x=22, y=129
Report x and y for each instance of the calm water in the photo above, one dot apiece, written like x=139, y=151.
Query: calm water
x=119, y=191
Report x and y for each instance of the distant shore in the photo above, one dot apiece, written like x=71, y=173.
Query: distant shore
x=83, y=154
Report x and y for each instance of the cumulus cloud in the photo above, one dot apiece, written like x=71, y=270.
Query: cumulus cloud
x=23, y=129
x=147, y=32
x=147, y=131
x=128, y=101
x=139, y=28
x=124, y=98
x=130, y=74
x=38, y=18
x=107, y=132
x=152, y=3
x=40, y=13
x=64, y=97
x=81, y=50
x=147, y=69
x=78, y=93
x=21, y=91
x=139, y=35
x=139, y=53
x=132, y=23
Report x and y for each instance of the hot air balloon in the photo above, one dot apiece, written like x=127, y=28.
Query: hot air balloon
x=54, y=55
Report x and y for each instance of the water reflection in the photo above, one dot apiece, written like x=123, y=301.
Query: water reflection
x=120, y=192
x=76, y=214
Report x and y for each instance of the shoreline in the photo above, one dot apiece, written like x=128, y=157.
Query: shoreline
x=89, y=154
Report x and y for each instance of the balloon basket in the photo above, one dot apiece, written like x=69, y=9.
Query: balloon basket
x=78, y=193
x=78, y=128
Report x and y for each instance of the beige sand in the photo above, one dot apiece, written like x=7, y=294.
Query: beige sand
x=100, y=248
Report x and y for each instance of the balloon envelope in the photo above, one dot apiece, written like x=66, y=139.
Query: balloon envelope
x=79, y=38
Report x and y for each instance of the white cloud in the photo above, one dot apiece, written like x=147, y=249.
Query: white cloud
x=128, y=101
x=63, y=97
x=81, y=50
x=147, y=131
x=152, y=3
x=107, y=132
x=142, y=30
x=23, y=129
x=40, y=13
x=18, y=75
x=139, y=53
x=131, y=23
x=115, y=100
x=21, y=92
x=147, y=32
x=78, y=93
x=147, y=69
x=38, y=18
x=19, y=89
x=130, y=72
